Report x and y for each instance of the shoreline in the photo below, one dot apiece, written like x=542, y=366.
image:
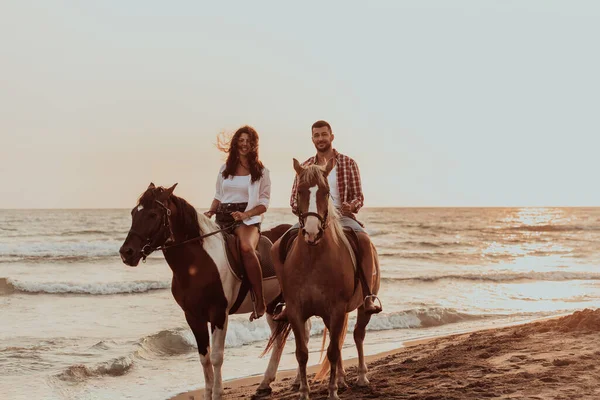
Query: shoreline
x=244, y=387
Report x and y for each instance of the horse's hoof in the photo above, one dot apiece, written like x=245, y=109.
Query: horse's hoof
x=362, y=382
x=333, y=396
x=262, y=393
x=342, y=384
x=303, y=396
x=295, y=386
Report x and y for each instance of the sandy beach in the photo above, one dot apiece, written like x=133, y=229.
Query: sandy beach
x=552, y=359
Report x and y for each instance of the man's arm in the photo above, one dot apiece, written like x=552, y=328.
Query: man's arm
x=357, y=198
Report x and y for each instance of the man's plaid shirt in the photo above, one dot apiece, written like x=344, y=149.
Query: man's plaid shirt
x=348, y=180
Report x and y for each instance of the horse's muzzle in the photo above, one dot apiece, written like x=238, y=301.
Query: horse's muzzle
x=129, y=256
x=312, y=239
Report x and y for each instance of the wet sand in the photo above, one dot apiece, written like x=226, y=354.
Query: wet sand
x=552, y=359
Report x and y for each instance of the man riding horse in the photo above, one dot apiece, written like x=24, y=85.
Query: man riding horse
x=346, y=194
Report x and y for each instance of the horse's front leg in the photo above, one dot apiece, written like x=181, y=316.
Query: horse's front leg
x=216, y=357
x=307, y=327
x=341, y=374
x=362, y=320
x=264, y=389
x=200, y=330
x=299, y=326
x=336, y=332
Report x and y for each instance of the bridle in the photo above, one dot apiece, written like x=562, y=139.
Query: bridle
x=163, y=235
x=152, y=244
x=324, y=220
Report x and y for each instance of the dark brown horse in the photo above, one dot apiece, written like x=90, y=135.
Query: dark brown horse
x=319, y=278
x=203, y=283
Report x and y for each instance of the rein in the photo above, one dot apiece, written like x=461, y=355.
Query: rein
x=149, y=248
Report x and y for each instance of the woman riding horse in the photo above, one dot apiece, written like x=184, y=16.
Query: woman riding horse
x=242, y=195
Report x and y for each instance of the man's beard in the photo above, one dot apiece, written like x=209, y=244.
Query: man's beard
x=326, y=148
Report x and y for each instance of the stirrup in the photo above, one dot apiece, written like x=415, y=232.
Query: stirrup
x=280, y=307
x=276, y=314
x=253, y=315
x=374, y=297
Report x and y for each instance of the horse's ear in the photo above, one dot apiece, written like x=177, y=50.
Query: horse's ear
x=297, y=166
x=329, y=166
x=169, y=191
x=151, y=186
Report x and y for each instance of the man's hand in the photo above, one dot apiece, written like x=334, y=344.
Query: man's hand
x=347, y=210
x=239, y=216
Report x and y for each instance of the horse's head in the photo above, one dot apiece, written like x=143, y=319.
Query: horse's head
x=313, y=199
x=150, y=226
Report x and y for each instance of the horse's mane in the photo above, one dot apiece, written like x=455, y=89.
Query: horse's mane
x=207, y=225
x=313, y=174
x=186, y=218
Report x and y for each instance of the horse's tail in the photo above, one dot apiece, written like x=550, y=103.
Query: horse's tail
x=323, y=343
x=280, y=335
x=325, y=366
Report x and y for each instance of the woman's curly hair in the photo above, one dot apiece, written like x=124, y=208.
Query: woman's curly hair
x=230, y=146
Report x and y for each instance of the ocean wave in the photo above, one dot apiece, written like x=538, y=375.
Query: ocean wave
x=181, y=341
x=6, y=287
x=169, y=342
x=42, y=345
x=550, y=228
x=417, y=318
x=9, y=286
x=104, y=345
x=240, y=333
x=580, y=298
x=447, y=256
x=166, y=343
x=86, y=249
x=504, y=277
x=429, y=244
x=174, y=342
x=7, y=259
x=79, y=372
x=377, y=232
x=420, y=318
x=85, y=232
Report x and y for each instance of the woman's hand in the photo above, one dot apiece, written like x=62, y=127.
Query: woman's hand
x=209, y=213
x=239, y=216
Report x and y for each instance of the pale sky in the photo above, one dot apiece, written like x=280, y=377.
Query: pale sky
x=441, y=103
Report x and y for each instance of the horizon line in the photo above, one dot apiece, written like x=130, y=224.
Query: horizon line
x=288, y=208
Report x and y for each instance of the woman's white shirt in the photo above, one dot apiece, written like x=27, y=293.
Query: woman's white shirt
x=235, y=189
x=230, y=190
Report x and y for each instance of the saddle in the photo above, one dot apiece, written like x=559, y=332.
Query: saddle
x=263, y=252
